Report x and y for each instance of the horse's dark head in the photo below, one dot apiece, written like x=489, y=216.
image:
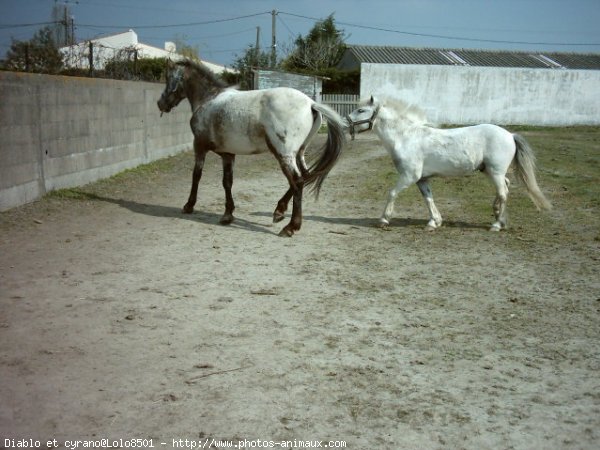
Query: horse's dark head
x=174, y=90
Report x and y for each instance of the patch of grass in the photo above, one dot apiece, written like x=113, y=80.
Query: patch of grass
x=68, y=194
x=126, y=179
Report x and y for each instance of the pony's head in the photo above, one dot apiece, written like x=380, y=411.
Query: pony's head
x=363, y=117
x=188, y=79
x=386, y=109
x=174, y=90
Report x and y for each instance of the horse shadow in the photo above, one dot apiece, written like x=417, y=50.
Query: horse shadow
x=210, y=218
x=173, y=212
x=372, y=222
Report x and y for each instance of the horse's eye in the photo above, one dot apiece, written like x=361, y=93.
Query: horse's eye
x=360, y=111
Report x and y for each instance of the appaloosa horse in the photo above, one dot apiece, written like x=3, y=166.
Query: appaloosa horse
x=231, y=122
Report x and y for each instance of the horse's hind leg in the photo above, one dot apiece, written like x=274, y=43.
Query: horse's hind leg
x=282, y=204
x=296, y=187
x=200, y=153
x=228, y=159
x=501, y=184
x=435, y=218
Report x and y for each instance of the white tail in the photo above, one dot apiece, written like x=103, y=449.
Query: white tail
x=525, y=165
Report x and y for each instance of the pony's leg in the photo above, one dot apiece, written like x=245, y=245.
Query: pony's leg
x=402, y=183
x=435, y=218
x=228, y=159
x=296, y=221
x=282, y=205
x=296, y=186
x=501, y=184
x=200, y=153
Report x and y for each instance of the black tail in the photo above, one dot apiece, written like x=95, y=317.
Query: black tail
x=330, y=152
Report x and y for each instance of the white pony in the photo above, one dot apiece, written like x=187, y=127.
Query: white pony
x=420, y=151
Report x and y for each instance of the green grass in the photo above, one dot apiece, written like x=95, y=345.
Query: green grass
x=127, y=179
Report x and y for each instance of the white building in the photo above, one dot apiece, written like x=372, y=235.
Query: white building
x=123, y=46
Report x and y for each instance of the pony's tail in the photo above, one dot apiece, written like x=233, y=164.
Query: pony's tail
x=525, y=169
x=330, y=152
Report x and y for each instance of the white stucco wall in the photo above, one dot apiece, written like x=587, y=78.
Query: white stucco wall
x=466, y=95
x=107, y=47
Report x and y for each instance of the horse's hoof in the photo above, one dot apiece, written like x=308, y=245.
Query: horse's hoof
x=494, y=228
x=187, y=209
x=278, y=217
x=226, y=220
x=383, y=224
x=286, y=232
x=430, y=228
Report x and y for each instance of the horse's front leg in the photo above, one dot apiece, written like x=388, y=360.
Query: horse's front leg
x=402, y=183
x=228, y=159
x=200, y=152
x=435, y=218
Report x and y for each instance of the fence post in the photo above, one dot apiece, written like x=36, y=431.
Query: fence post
x=91, y=59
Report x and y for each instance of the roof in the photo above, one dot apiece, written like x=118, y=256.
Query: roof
x=357, y=54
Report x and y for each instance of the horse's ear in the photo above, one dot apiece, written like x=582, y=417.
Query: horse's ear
x=372, y=101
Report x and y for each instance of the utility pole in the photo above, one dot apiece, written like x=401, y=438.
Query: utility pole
x=72, y=31
x=66, y=24
x=273, y=39
x=257, y=47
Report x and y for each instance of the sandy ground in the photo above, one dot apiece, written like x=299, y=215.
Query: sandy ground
x=122, y=318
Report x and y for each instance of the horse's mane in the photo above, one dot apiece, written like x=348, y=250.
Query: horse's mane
x=203, y=71
x=408, y=111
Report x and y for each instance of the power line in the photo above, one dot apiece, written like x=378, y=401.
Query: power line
x=439, y=36
x=177, y=25
x=24, y=25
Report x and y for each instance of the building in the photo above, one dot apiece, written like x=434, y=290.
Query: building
x=310, y=85
x=355, y=55
x=122, y=46
x=458, y=86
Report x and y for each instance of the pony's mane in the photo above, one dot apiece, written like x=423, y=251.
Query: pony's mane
x=202, y=71
x=409, y=111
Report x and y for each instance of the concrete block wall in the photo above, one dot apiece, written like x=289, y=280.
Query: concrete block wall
x=468, y=95
x=58, y=132
x=310, y=85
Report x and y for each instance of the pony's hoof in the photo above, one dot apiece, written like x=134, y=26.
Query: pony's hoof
x=278, y=217
x=286, y=232
x=495, y=228
x=226, y=220
x=187, y=209
x=430, y=228
x=383, y=224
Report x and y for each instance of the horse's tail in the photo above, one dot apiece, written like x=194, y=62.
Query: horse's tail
x=525, y=169
x=330, y=152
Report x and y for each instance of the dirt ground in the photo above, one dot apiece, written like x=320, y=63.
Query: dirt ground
x=120, y=317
